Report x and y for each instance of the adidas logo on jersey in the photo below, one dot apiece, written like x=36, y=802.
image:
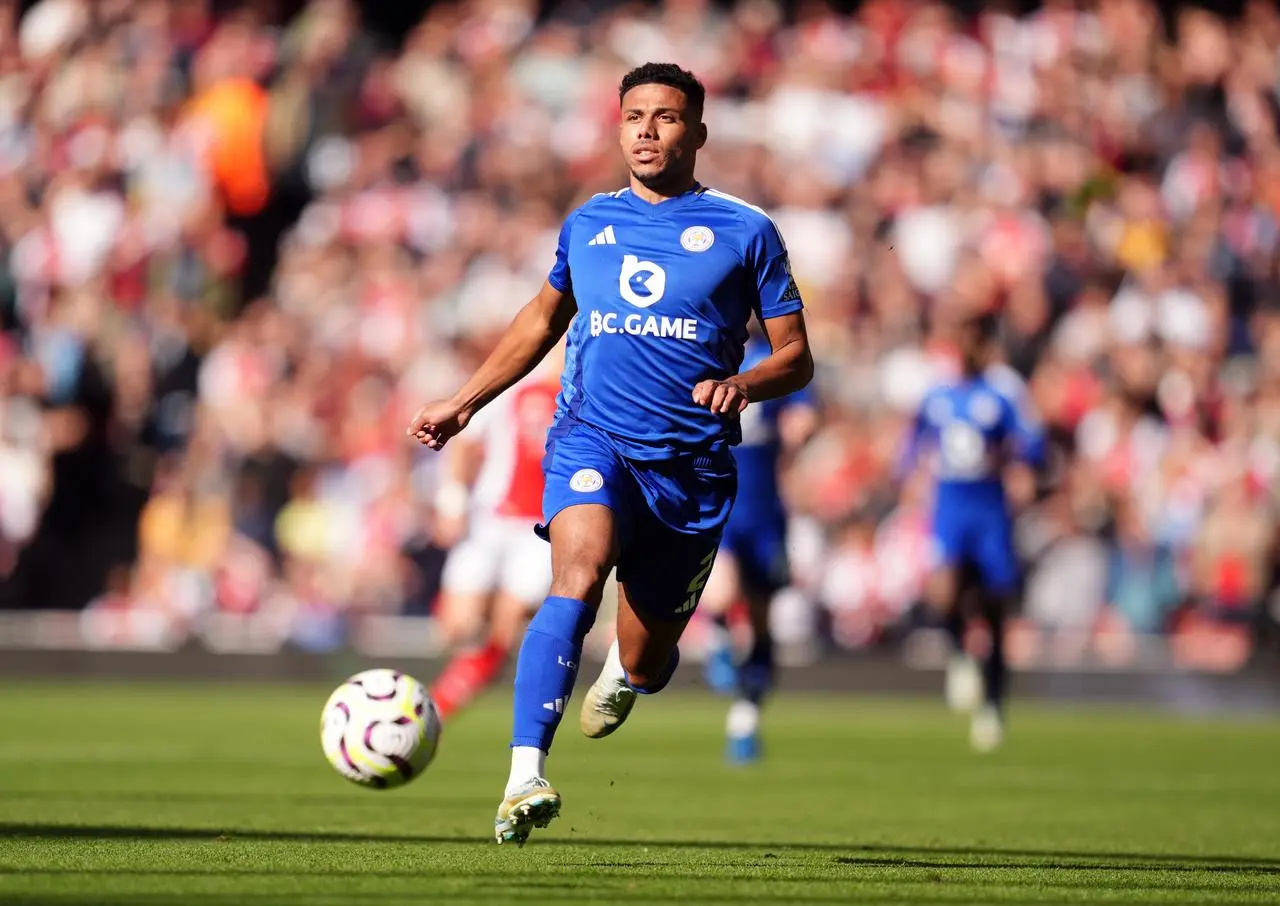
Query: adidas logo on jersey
x=605, y=237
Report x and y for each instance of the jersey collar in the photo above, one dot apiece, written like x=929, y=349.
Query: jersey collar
x=663, y=208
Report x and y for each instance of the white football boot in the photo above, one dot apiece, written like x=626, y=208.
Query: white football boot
x=964, y=683
x=986, y=729
x=608, y=701
x=534, y=804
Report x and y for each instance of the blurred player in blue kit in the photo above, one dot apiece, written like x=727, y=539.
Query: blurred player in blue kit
x=752, y=565
x=972, y=429
x=655, y=285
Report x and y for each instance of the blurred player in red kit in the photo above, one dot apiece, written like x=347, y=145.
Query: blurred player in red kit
x=498, y=571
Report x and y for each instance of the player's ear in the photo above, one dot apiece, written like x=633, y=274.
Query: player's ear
x=700, y=135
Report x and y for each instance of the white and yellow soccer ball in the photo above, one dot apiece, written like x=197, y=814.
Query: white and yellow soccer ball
x=380, y=729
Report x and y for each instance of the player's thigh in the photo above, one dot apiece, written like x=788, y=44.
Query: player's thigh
x=473, y=566
x=470, y=575
x=723, y=585
x=584, y=547
x=510, y=614
x=996, y=561
x=523, y=582
x=586, y=505
x=661, y=577
x=461, y=617
x=946, y=555
x=526, y=565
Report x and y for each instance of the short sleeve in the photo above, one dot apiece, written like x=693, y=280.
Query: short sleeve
x=766, y=257
x=1021, y=421
x=560, y=278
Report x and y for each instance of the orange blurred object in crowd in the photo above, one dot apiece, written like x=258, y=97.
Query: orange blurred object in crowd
x=234, y=112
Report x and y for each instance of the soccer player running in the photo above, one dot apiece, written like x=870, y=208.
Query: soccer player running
x=752, y=564
x=663, y=277
x=974, y=427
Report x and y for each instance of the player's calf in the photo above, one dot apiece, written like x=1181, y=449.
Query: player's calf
x=640, y=662
x=755, y=681
x=612, y=696
x=722, y=591
x=583, y=545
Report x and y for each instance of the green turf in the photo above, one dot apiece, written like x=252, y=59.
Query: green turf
x=195, y=796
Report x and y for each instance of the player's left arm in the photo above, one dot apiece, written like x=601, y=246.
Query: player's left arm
x=785, y=370
x=1029, y=442
x=789, y=366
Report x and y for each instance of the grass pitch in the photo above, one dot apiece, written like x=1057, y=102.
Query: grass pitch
x=197, y=796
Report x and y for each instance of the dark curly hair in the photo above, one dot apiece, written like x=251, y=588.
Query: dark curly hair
x=667, y=74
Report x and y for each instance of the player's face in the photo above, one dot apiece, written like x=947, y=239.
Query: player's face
x=660, y=136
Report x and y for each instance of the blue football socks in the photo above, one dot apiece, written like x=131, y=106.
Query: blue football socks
x=755, y=674
x=546, y=668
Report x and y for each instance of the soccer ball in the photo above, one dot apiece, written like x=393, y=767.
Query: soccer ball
x=380, y=729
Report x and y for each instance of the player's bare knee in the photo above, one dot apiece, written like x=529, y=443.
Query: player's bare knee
x=461, y=617
x=510, y=614
x=582, y=579
x=940, y=591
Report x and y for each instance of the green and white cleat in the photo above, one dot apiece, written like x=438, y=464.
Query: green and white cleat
x=986, y=730
x=964, y=684
x=605, y=706
x=535, y=804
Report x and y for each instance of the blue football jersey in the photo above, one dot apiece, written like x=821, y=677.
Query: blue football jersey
x=664, y=293
x=759, y=499
x=972, y=427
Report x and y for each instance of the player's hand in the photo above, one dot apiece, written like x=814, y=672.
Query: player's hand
x=721, y=397
x=1020, y=485
x=438, y=421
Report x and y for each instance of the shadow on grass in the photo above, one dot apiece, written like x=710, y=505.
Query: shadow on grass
x=560, y=894
x=588, y=884
x=869, y=855
x=358, y=798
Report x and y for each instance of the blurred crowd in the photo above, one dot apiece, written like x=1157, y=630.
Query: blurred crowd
x=238, y=246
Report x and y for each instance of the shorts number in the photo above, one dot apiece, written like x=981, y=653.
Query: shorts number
x=697, y=583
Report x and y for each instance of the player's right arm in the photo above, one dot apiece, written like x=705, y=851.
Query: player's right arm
x=532, y=334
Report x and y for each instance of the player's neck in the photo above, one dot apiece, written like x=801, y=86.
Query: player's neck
x=664, y=192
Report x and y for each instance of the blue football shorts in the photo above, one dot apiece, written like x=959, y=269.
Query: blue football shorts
x=670, y=514
x=972, y=527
